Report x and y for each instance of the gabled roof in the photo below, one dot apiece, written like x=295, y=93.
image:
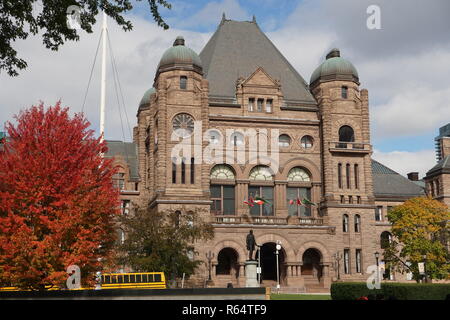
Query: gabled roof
x=442, y=165
x=389, y=184
x=128, y=151
x=238, y=48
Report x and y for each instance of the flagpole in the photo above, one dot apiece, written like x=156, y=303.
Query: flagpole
x=103, y=80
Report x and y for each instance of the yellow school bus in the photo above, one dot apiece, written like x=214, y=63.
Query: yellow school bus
x=143, y=280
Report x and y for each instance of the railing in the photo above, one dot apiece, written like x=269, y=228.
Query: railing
x=310, y=221
x=355, y=146
x=268, y=220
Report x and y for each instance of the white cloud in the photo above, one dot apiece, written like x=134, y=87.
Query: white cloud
x=412, y=112
x=64, y=74
x=405, y=162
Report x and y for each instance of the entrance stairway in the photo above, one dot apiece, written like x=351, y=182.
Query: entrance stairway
x=314, y=285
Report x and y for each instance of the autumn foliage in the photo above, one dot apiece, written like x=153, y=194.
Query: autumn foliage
x=57, y=202
x=420, y=229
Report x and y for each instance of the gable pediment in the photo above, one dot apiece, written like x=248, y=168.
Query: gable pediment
x=260, y=78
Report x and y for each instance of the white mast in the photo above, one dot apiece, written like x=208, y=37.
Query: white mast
x=103, y=81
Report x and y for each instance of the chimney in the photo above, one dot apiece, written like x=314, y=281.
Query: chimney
x=413, y=176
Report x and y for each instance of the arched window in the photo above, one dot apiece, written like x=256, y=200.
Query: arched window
x=261, y=174
x=284, y=140
x=346, y=134
x=118, y=179
x=356, y=176
x=340, y=175
x=222, y=172
x=345, y=223
x=237, y=139
x=357, y=223
x=215, y=136
x=306, y=142
x=222, y=190
x=385, y=239
x=183, y=82
x=299, y=175
x=344, y=92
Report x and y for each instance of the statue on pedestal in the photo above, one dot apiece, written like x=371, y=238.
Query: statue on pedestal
x=251, y=242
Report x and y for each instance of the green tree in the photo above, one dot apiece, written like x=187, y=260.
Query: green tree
x=417, y=226
x=162, y=241
x=20, y=18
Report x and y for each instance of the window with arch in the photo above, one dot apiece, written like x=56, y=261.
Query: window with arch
x=261, y=174
x=307, y=142
x=183, y=82
x=385, y=239
x=346, y=134
x=237, y=139
x=215, y=137
x=357, y=223
x=183, y=125
x=222, y=190
x=347, y=175
x=340, y=175
x=344, y=92
x=284, y=140
x=118, y=180
x=345, y=223
x=298, y=174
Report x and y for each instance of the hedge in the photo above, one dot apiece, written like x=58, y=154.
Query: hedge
x=390, y=290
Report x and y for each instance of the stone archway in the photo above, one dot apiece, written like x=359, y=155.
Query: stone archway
x=227, y=262
x=311, y=263
x=269, y=262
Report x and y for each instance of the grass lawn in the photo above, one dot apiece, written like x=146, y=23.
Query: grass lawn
x=283, y=296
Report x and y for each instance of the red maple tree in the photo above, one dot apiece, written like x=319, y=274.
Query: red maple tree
x=57, y=202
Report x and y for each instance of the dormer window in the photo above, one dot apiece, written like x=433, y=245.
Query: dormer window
x=260, y=105
x=251, y=104
x=183, y=82
x=269, y=103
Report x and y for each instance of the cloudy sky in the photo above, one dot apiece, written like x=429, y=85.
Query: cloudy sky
x=405, y=65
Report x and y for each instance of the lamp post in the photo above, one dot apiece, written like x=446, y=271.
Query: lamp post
x=209, y=256
x=377, y=255
x=258, y=273
x=278, y=248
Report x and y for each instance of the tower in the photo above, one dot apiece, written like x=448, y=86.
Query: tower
x=168, y=115
x=347, y=194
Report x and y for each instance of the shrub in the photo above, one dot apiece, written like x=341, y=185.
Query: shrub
x=390, y=291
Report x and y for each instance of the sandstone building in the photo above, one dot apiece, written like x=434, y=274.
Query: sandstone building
x=240, y=81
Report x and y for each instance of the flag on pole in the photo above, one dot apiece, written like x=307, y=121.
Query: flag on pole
x=308, y=202
x=261, y=201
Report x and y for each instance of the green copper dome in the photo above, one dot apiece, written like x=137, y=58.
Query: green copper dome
x=335, y=68
x=180, y=55
x=147, y=96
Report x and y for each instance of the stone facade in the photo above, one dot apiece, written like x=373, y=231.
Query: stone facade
x=337, y=239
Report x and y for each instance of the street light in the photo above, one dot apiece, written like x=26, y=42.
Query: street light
x=377, y=255
x=278, y=248
x=258, y=271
